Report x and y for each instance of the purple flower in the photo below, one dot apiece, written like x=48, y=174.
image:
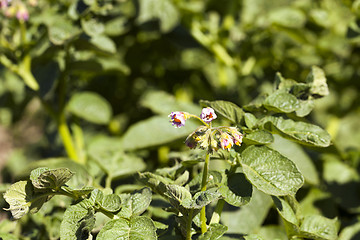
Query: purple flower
x=178, y=119
x=208, y=114
x=22, y=13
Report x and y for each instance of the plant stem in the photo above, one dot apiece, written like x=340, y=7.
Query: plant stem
x=203, y=188
x=217, y=213
x=188, y=227
x=194, y=116
x=67, y=139
x=108, y=181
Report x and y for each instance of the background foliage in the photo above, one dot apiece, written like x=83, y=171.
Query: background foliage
x=94, y=81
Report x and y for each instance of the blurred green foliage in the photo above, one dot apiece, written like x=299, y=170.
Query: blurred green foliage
x=94, y=80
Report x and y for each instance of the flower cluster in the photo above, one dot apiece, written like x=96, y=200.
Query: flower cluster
x=207, y=137
x=212, y=139
x=16, y=8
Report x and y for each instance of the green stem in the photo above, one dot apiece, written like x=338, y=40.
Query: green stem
x=67, y=139
x=194, y=116
x=203, y=188
x=188, y=227
x=23, y=32
x=108, y=181
x=217, y=213
x=79, y=142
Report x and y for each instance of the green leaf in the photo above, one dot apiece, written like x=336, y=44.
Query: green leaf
x=162, y=10
x=296, y=154
x=214, y=232
x=136, y=203
x=96, y=197
x=288, y=215
x=155, y=131
x=44, y=178
x=304, y=133
x=281, y=102
x=153, y=181
x=253, y=237
x=78, y=221
x=350, y=232
x=78, y=180
x=305, y=108
x=227, y=109
x=61, y=30
x=273, y=232
x=116, y=26
x=318, y=83
x=236, y=190
x=201, y=199
x=258, y=137
x=161, y=102
x=112, y=160
x=319, y=227
x=111, y=203
x=177, y=195
x=91, y=107
x=104, y=43
x=17, y=196
x=8, y=236
x=137, y=228
x=22, y=199
x=255, y=213
x=92, y=27
x=270, y=171
x=216, y=178
x=288, y=17
x=250, y=120
x=79, y=192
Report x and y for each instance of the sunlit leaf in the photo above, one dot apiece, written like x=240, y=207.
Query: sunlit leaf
x=295, y=153
x=270, y=171
x=201, y=199
x=280, y=101
x=104, y=43
x=162, y=10
x=227, y=109
x=318, y=83
x=111, y=203
x=319, y=227
x=137, y=228
x=302, y=132
x=78, y=221
x=44, y=178
x=215, y=231
x=258, y=137
x=136, y=203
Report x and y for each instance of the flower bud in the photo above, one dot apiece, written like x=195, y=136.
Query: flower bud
x=237, y=136
x=226, y=141
x=22, y=13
